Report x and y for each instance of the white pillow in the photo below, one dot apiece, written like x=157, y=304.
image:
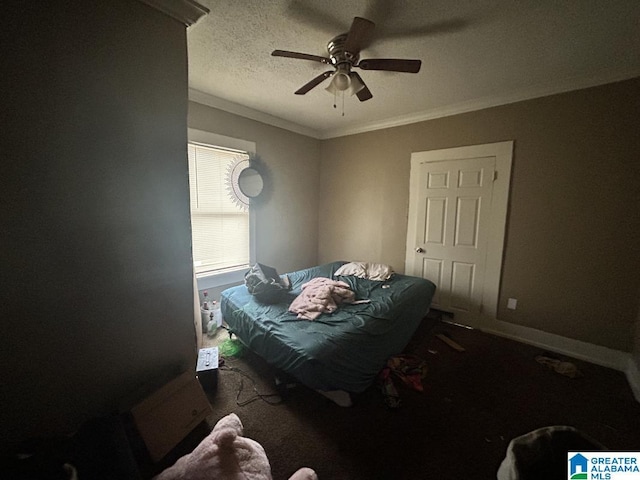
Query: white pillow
x=372, y=271
x=357, y=269
x=379, y=271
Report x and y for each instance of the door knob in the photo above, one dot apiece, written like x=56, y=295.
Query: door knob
x=420, y=250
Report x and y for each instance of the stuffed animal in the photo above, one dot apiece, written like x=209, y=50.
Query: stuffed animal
x=226, y=455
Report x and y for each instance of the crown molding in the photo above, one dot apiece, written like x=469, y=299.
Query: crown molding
x=537, y=91
x=216, y=102
x=185, y=11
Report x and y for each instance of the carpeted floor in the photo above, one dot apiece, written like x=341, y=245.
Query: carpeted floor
x=473, y=403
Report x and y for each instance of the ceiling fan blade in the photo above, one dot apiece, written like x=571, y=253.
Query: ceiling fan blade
x=359, y=35
x=302, y=56
x=364, y=93
x=391, y=65
x=315, y=82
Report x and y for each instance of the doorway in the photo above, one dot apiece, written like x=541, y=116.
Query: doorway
x=457, y=218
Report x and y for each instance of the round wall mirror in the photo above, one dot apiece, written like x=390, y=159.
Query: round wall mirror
x=245, y=180
x=250, y=182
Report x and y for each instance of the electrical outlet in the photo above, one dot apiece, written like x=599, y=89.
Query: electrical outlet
x=512, y=303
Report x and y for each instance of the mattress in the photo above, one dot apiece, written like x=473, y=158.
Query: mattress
x=344, y=350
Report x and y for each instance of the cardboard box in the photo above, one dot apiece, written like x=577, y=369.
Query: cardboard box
x=169, y=414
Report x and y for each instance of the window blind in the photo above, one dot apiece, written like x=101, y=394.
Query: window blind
x=220, y=228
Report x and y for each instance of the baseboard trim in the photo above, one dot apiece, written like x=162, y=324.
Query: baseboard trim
x=606, y=357
x=633, y=377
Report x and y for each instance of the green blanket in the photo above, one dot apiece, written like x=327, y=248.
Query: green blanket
x=340, y=351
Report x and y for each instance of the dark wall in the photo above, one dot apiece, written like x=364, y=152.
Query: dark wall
x=95, y=247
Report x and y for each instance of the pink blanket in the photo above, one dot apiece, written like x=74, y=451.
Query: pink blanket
x=321, y=295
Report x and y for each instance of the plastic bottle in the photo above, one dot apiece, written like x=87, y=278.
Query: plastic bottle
x=217, y=314
x=205, y=312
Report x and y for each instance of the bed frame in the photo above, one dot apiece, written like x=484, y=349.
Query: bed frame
x=340, y=353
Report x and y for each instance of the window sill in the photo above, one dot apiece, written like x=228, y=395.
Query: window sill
x=212, y=280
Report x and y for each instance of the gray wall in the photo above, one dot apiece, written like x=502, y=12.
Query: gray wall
x=287, y=215
x=97, y=292
x=571, y=256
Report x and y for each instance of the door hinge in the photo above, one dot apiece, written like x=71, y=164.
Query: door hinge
x=495, y=175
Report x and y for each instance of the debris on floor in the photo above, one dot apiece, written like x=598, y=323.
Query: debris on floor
x=410, y=369
x=567, y=369
x=446, y=339
x=231, y=347
x=389, y=391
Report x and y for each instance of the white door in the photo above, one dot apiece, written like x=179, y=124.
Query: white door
x=450, y=227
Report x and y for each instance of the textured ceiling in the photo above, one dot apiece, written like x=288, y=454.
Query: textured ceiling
x=474, y=53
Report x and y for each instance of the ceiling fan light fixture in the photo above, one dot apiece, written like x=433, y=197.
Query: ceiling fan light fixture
x=344, y=54
x=339, y=83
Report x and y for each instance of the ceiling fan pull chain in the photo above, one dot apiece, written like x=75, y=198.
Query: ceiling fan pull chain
x=343, y=103
x=334, y=99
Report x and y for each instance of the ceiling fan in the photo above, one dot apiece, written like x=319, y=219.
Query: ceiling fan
x=344, y=55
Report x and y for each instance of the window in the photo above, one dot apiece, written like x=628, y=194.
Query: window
x=221, y=230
